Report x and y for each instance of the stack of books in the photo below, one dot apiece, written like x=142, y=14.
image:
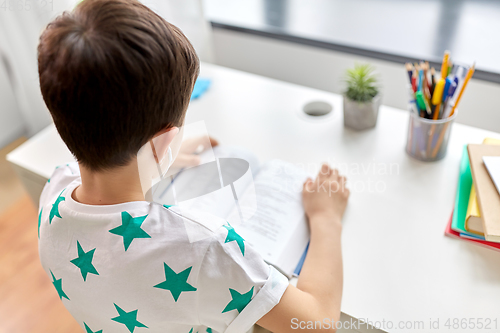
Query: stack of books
x=476, y=216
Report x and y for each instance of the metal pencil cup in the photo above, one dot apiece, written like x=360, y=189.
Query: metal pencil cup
x=428, y=139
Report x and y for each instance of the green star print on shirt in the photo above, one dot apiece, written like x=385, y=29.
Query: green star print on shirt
x=129, y=319
x=39, y=221
x=233, y=236
x=84, y=261
x=58, y=285
x=176, y=283
x=130, y=229
x=239, y=301
x=208, y=330
x=89, y=330
x=54, y=211
x=142, y=267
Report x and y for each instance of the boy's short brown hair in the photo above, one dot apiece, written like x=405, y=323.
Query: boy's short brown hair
x=113, y=73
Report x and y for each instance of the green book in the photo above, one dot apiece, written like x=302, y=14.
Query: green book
x=463, y=194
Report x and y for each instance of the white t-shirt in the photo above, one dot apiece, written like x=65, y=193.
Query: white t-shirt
x=131, y=267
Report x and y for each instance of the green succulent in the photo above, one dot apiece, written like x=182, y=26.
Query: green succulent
x=362, y=83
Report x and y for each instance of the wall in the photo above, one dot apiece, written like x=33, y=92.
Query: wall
x=324, y=69
x=11, y=122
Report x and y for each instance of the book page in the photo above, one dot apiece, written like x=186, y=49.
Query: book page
x=279, y=224
x=492, y=164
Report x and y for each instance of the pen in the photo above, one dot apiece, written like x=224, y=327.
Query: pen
x=451, y=92
x=433, y=80
x=446, y=89
x=467, y=78
x=457, y=84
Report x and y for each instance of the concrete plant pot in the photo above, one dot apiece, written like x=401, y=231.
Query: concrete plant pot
x=360, y=116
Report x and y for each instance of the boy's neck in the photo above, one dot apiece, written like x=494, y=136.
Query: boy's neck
x=109, y=187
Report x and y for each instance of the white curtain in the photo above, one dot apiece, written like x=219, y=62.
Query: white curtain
x=21, y=26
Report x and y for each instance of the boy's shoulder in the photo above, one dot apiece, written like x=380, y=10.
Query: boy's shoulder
x=62, y=177
x=198, y=225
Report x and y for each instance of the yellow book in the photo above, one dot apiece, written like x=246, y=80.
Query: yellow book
x=473, y=220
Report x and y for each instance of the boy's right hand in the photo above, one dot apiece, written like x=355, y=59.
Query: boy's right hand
x=318, y=293
x=319, y=289
x=326, y=196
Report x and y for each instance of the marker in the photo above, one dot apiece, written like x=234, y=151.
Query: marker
x=437, y=97
x=438, y=91
x=446, y=89
x=455, y=85
x=421, y=102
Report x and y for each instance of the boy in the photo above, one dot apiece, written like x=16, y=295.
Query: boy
x=115, y=76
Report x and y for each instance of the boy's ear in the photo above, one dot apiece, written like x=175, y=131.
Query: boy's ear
x=161, y=141
x=174, y=129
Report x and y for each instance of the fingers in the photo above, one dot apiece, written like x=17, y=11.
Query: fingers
x=190, y=148
x=327, y=172
x=343, y=182
x=324, y=172
x=327, y=180
x=202, y=140
x=198, y=144
x=205, y=144
x=213, y=142
x=308, y=185
x=186, y=160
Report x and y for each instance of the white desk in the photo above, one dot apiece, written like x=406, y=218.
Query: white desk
x=398, y=265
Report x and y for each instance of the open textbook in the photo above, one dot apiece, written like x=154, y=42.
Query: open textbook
x=262, y=202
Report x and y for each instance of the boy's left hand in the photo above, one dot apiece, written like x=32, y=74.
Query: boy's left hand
x=190, y=149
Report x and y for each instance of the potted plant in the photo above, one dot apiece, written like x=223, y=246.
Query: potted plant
x=361, y=98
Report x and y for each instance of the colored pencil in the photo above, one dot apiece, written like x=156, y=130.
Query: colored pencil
x=444, y=65
x=409, y=69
